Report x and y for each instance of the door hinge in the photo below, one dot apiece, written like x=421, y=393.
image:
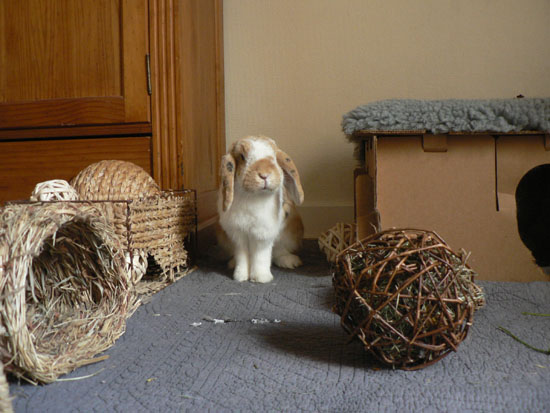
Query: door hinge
x=148, y=67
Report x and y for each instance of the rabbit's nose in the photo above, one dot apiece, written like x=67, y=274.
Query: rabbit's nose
x=264, y=176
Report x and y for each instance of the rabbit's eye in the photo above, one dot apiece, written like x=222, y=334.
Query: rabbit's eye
x=243, y=158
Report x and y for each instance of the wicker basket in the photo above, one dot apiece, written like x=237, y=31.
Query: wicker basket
x=64, y=292
x=157, y=228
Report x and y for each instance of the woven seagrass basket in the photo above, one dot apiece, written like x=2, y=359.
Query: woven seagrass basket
x=157, y=228
x=65, y=294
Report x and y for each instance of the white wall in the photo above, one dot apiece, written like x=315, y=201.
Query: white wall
x=294, y=67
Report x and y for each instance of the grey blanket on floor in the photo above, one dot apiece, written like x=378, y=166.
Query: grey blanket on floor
x=282, y=349
x=452, y=115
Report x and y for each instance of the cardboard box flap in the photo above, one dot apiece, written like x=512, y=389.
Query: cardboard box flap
x=367, y=217
x=434, y=143
x=514, y=158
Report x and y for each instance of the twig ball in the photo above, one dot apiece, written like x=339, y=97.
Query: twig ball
x=406, y=296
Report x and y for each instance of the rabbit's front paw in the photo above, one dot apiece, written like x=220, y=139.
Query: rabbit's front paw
x=261, y=276
x=240, y=274
x=290, y=261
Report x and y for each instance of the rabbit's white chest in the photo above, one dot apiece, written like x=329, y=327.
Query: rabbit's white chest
x=258, y=216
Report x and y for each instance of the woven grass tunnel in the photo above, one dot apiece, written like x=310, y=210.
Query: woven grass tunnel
x=64, y=293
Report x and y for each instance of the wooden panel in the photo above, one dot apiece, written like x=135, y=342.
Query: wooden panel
x=127, y=129
x=85, y=34
x=26, y=163
x=207, y=213
x=82, y=63
x=167, y=162
x=188, y=101
x=203, y=122
x=62, y=112
x=135, y=43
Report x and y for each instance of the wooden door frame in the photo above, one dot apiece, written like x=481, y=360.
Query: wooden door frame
x=167, y=57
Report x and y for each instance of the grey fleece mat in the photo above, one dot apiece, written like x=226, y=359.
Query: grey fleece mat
x=451, y=115
x=295, y=356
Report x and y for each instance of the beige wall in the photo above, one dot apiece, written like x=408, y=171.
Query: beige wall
x=294, y=67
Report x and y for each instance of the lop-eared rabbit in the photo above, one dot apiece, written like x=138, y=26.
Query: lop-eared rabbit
x=259, y=222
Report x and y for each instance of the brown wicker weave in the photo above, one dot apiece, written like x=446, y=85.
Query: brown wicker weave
x=164, y=226
x=64, y=292
x=406, y=296
x=150, y=222
x=114, y=180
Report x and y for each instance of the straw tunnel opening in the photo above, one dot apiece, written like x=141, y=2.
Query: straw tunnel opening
x=65, y=285
x=533, y=213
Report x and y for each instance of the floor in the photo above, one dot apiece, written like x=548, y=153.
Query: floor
x=208, y=343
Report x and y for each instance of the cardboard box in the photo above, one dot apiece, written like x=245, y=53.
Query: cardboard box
x=462, y=186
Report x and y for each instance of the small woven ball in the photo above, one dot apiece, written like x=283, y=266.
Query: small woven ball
x=54, y=190
x=406, y=296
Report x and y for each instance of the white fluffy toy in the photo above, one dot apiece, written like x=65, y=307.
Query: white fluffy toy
x=257, y=208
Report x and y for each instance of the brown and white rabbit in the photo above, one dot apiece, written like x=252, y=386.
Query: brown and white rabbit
x=257, y=208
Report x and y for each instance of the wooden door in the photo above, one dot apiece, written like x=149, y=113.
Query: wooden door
x=73, y=62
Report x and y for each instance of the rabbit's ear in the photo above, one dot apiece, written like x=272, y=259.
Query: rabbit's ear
x=228, y=180
x=292, y=178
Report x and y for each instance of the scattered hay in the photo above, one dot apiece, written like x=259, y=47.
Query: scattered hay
x=64, y=291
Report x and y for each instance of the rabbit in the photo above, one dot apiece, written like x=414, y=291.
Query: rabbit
x=258, y=219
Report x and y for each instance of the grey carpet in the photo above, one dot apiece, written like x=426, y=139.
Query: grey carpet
x=303, y=363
